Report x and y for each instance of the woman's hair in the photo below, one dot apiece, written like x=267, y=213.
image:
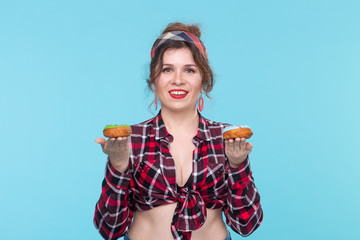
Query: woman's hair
x=200, y=60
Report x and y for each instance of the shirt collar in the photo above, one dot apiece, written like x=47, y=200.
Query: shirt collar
x=159, y=129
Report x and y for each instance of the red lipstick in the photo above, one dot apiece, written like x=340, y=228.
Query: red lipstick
x=178, y=93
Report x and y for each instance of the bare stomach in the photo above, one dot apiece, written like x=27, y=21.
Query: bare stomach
x=155, y=224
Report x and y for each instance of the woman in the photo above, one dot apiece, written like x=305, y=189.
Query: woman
x=173, y=177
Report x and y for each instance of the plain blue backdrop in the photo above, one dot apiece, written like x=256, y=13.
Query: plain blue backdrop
x=288, y=69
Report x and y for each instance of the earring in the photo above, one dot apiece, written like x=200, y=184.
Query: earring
x=156, y=103
x=201, y=103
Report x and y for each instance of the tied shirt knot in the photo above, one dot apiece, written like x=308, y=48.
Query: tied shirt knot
x=190, y=213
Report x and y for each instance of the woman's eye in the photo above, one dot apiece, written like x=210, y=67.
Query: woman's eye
x=189, y=70
x=166, y=70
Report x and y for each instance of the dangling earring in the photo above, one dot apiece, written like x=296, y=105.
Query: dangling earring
x=156, y=103
x=201, y=103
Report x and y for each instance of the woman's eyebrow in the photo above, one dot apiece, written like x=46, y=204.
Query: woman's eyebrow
x=186, y=65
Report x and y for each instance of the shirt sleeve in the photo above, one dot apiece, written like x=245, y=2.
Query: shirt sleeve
x=113, y=214
x=243, y=210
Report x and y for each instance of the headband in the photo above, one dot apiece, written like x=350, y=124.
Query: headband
x=179, y=36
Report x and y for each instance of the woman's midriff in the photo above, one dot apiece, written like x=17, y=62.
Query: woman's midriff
x=155, y=224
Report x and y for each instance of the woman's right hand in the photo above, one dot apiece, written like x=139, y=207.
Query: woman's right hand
x=118, y=150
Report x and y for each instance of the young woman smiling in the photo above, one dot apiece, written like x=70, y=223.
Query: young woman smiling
x=173, y=177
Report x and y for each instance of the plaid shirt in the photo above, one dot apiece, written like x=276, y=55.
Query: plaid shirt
x=150, y=181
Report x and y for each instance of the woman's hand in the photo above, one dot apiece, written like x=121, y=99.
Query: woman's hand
x=118, y=150
x=237, y=151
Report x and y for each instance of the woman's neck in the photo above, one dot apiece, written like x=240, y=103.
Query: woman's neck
x=184, y=121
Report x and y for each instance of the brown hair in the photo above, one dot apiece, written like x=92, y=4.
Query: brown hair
x=200, y=60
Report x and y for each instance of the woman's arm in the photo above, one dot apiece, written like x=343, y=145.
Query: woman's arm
x=113, y=213
x=243, y=209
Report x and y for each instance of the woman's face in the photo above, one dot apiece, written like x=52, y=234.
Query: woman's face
x=179, y=84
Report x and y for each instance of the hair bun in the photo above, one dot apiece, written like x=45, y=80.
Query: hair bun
x=195, y=30
x=177, y=26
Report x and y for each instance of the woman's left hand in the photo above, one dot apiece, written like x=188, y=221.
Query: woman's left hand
x=237, y=151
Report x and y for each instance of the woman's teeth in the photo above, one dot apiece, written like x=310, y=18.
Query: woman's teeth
x=178, y=92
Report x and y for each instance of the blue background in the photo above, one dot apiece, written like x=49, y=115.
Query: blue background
x=288, y=69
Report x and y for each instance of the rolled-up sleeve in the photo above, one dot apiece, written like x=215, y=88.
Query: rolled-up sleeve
x=243, y=210
x=113, y=213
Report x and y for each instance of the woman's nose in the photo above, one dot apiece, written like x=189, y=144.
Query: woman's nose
x=178, y=78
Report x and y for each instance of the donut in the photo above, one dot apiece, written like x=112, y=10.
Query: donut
x=233, y=132
x=114, y=131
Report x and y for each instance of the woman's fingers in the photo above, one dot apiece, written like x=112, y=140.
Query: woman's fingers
x=111, y=142
x=108, y=145
x=230, y=145
x=237, y=143
x=100, y=140
x=248, y=147
x=117, y=142
x=227, y=147
x=242, y=144
x=121, y=142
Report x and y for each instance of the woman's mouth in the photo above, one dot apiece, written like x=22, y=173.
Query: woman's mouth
x=178, y=93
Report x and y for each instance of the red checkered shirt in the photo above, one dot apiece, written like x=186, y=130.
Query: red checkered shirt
x=150, y=181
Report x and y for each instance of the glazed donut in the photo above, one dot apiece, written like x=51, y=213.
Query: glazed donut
x=114, y=131
x=233, y=132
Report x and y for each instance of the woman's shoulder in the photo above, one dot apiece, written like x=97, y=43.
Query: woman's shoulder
x=214, y=128
x=142, y=128
x=215, y=124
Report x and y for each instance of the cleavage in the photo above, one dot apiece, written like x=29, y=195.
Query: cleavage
x=182, y=154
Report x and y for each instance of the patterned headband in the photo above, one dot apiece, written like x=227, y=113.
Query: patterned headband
x=179, y=36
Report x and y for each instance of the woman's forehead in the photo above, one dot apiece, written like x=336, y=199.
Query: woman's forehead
x=178, y=56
